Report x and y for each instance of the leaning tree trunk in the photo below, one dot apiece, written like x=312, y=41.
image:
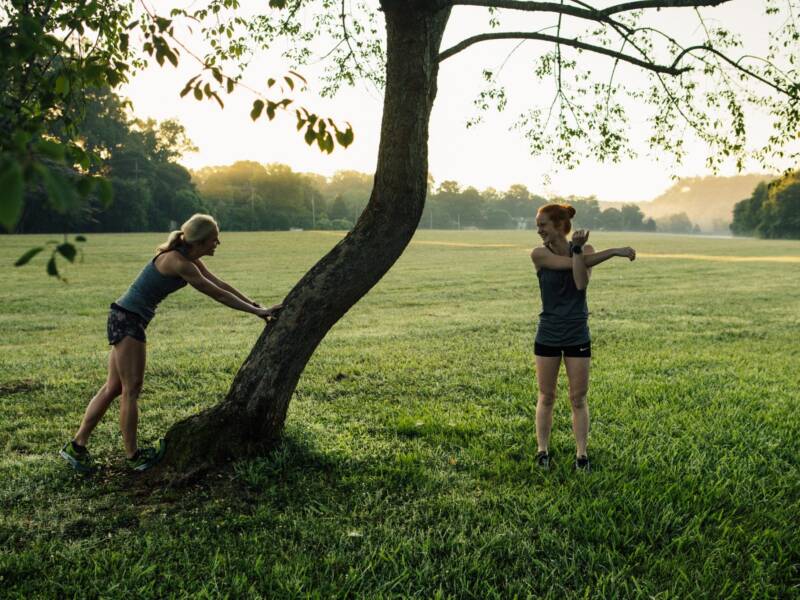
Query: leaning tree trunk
x=252, y=415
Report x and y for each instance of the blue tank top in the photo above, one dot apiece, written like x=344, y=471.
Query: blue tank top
x=150, y=288
x=564, y=320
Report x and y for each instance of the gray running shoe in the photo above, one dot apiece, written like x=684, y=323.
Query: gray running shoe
x=78, y=458
x=145, y=458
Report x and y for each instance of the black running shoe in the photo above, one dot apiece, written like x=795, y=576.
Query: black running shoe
x=582, y=464
x=543, y=460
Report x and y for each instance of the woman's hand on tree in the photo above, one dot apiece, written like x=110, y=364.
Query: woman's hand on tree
x=271, y=313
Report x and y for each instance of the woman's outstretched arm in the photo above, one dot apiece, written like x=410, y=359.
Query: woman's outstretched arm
x=596, y=258
x=221, y=284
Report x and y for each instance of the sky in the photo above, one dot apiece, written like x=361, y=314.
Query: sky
x=487, y=155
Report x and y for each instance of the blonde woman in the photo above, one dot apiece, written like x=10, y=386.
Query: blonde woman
x=177, y=262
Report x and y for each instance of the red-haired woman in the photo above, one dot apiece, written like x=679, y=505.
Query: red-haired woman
x=563, y=269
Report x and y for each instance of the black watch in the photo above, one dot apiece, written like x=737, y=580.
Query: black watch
x=577, y=249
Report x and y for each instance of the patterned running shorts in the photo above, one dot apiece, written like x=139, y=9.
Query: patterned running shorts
x=123, y=322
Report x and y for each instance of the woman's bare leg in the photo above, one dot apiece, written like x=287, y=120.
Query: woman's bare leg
x=578, y=375
x=99, y=404
x=546, y=378
x=130, y=355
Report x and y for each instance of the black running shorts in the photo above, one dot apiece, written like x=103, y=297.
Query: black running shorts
x=579, y=351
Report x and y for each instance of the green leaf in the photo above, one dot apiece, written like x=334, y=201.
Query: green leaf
x=11, y=197
x=198, y=93
x=345, y=138
x=310, y=135
x=51, y=266
x=84, y=186
x=289, y=82
x=28, y=255
x=67, y=250
x=258, y=106
x=229, y=85
x=51, y=149
x=270, y=82
x=298, y=76
x=271, y=110
x=62, y=85
x=21, y=139
x=60, y=191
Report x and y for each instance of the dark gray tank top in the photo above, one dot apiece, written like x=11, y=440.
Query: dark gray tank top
x=150, y=288
x=564, y=320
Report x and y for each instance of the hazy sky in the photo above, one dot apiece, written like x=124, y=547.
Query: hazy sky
x=483, y=156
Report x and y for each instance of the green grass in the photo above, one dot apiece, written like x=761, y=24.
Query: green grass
x=407, y=467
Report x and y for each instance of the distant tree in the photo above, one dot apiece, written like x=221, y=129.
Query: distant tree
x=677, y=223
x=779, y=213
x=632, y=217
x=587, y=212
x=611, y=220
x=747, y=214
x=338, y=209
x=497, y=218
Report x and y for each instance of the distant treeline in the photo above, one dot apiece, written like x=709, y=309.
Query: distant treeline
x=251, y=196
x=773, y=211
x=152, y=192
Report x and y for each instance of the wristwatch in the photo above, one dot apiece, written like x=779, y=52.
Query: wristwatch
x=577, y=249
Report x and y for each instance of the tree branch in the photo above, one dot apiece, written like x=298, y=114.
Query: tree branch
x=735, y=64
x=591, y=13
x=516, y=35
x=639, y=4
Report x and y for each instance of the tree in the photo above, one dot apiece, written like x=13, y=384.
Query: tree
x=677, y=223
x=632, y=218
x=253, y=412
x=611, y=219
x=338, y=209
x=747, y=213
x=773, y=211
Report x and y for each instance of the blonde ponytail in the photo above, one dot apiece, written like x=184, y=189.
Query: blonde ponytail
x=174, y=239
x=197, y=229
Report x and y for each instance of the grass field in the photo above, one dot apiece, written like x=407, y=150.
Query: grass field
x=407, y=467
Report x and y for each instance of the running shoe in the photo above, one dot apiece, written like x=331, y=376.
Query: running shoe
x=78, y=457
x=582, y=464
x=543, y=460
x=146, y=458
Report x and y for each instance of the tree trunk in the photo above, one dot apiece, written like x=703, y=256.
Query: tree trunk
x=251, y=417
